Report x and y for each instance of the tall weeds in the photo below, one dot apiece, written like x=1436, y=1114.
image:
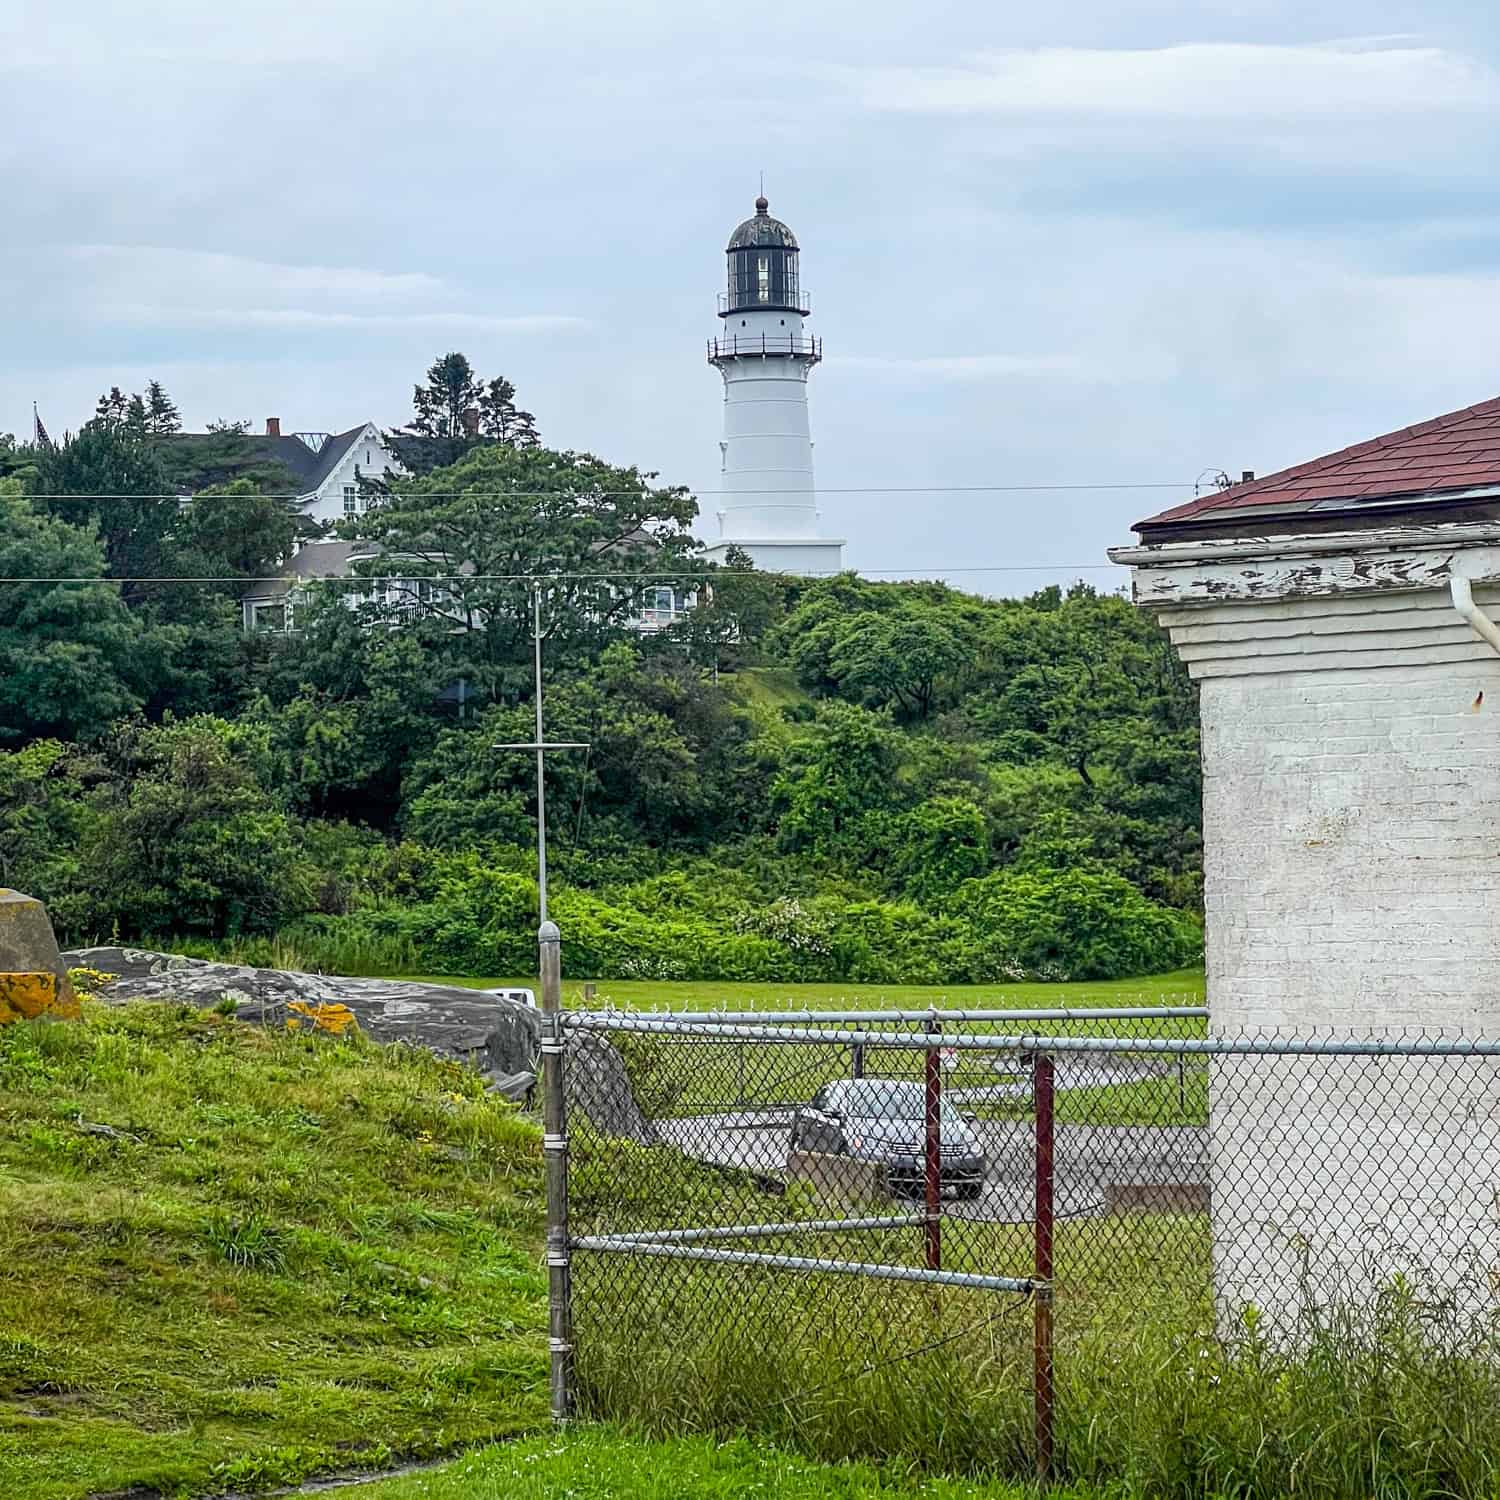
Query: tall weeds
x=1155, y=1395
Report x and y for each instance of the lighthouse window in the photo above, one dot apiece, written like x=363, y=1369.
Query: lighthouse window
x=764, y=274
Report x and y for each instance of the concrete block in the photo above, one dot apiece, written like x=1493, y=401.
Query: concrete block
x=840, y=1177
x=28, y=948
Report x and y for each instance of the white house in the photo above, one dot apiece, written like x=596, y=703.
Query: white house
x=326, y=468
x=1337, y=618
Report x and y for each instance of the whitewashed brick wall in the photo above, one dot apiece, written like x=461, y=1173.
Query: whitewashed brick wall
x=1352, y=883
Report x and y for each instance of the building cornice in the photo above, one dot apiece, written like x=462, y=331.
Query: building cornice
x=1292, y=566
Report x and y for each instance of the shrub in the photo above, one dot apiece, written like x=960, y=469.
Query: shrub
x=1073, y=924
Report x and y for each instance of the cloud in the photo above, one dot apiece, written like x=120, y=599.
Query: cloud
x=197, y=272
x=1190, y=81
x=965, y=366
x=164, y=287
x=310, y=318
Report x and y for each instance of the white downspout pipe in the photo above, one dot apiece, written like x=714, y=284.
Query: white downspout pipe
x=1463, y=602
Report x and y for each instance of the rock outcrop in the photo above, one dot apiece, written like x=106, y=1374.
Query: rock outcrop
x=499, y=1036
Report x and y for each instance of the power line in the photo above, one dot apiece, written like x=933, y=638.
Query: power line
x=681, y=576
x=585, y=493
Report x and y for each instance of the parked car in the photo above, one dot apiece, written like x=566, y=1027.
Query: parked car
x=521, y=997
x=884, y=1120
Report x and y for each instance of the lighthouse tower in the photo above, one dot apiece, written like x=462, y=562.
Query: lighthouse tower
x=766, y=504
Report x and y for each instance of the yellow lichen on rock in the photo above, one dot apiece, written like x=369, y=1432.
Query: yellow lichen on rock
x=321, y=1016
x=25, y=997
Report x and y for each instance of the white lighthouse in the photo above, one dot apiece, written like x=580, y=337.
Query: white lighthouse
x=766, y=506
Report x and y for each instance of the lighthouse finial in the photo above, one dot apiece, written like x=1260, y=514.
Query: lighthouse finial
x=761, y=205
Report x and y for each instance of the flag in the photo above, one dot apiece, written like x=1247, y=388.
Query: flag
x=39, y=432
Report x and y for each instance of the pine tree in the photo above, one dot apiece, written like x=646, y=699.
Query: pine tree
x=111, y=407
x=503, y=420
x=451, y=390
x=135, y=416
x=162, y=416
x=455, y=412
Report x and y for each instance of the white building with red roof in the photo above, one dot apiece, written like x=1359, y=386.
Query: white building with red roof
x=1337, y=618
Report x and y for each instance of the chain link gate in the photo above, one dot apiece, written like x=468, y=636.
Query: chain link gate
x=882, y=1217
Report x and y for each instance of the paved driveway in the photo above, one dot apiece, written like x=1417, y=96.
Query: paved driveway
x=1090, y=1159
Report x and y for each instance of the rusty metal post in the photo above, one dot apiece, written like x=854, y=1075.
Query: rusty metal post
x=1043, y=1074
x=555, y=1156
x=933, y=1140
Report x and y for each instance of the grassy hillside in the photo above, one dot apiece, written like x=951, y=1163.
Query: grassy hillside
x=229, y=1256
x=771, y=689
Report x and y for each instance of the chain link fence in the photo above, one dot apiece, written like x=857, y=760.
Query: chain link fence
x=955, y=1234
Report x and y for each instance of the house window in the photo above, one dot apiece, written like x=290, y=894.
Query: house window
x=268, y=617
x=351, y=500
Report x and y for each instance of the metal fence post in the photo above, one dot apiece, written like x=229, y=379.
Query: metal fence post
x=933, y=1141
x=1043, y=1074
x=555, y=1155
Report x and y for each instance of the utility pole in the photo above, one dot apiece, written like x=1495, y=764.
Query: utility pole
x=541, y=745
x=554, y=1061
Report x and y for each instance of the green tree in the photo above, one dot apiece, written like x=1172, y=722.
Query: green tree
x=837, y=780
x=457, y=550
x=227, y=531
x=43, y=817
x=453, y=413
x=903, y=658
x=225, y=454
x=72, y=658
x=192, y=838
x=735, y=608
x=941, y=843
x=162, y=416
x=109, y=477
x=111, y=407
x=501, y=419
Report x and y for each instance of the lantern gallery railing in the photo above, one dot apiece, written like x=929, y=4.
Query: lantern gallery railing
x=746, y=346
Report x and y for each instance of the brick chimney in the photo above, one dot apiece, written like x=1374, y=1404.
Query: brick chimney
x=273, y=426
x=470, y=420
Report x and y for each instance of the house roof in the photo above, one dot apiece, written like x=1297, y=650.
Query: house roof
x=1452, y=458
x=308, y=468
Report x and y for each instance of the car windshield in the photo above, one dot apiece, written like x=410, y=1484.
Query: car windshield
x=876, y=1100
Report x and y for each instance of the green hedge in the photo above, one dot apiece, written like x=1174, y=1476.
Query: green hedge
x=1010, y=926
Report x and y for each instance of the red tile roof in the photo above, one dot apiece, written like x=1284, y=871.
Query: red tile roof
x=1457, y=452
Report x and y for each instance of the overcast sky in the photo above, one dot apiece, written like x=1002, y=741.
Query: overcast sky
x=1095, y=242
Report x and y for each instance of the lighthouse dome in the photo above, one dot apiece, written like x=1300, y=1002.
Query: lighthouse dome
x=762, y=230
x=763, y=274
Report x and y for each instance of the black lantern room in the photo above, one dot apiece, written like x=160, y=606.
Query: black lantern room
x=763, y=267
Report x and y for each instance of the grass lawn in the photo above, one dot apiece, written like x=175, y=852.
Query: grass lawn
x=231, y=1256
x=1185, y=987
x=603, y=1464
